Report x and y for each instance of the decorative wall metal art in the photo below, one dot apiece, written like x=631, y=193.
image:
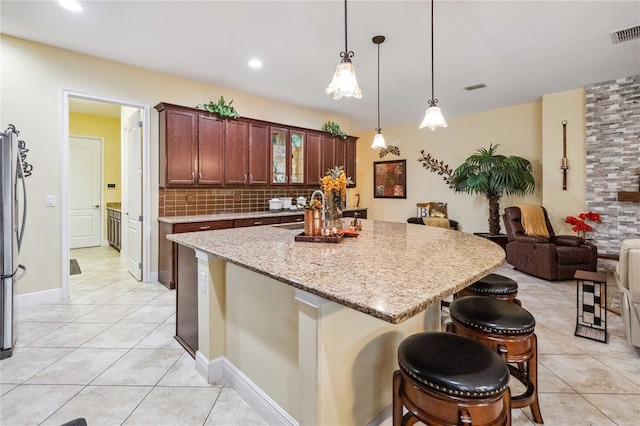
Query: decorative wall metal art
x=390, y=179
x=565, y=165
x=391, y=149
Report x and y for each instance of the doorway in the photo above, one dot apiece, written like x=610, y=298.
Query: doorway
x=134, y=152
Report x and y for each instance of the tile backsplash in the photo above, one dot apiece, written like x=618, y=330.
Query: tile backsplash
x=187, y=202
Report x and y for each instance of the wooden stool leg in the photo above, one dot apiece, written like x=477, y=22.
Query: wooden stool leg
x=533, y=376
x=397, y=403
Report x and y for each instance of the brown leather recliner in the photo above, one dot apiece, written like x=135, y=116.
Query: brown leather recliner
x=557, y=258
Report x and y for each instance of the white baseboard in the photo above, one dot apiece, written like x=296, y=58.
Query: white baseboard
x=222, y=369
x=38, y=297
x=153, y=277
x=380, y=418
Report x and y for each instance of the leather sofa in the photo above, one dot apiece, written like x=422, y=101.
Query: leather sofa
x=555, y=258
x=628, y=280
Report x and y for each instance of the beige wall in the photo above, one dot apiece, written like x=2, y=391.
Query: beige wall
x=517, y=129
x=33, y=77
x=557, y=107
x=107, y=128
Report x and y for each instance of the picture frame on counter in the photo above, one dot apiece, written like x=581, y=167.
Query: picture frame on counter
x=390, y=179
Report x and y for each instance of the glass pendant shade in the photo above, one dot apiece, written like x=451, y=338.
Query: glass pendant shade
x=378, y=141
x=433, y=119
x=344, y=82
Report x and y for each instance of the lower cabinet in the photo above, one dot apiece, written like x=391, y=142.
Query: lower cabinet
x=167, y=250
x=114, y=228
x=360, y=213
x=187, y=300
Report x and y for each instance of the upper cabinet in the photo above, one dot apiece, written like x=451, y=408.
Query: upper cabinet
x=287, y=156
x=198, y=148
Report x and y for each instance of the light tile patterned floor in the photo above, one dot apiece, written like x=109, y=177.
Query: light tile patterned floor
x=109, y=356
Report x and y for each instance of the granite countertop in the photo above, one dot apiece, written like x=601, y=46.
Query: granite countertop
x=231, y=216
x=391, y=271
x=117, y=206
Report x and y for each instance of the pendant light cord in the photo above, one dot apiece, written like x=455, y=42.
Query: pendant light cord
x=378, y=129
x=345, y=27
x=433, y=96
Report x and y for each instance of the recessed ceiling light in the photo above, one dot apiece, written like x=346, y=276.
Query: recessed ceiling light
x=70, y=5
x=255, y=63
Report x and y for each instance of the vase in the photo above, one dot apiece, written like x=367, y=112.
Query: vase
x=333, y=212
x=309, y=222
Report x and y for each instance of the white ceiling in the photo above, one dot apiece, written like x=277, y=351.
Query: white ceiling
x=520, y=49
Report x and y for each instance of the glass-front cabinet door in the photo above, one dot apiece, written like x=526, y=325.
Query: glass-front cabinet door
x=279, y=142
x=287, y=156
x=297, y=157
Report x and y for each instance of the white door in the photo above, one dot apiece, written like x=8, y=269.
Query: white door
x=133, y=216
x=85, y=162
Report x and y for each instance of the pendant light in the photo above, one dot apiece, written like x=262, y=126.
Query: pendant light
x=344, y=81
x=378, y=140
x=433, y=117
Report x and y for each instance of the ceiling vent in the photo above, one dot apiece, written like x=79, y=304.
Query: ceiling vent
x=475, y=86
x=626, y=34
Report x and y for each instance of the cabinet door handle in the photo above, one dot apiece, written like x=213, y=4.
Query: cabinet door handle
x=250, y=178
x=205, y=227
x=200, y=175
x=257, y=223
x=193, y=176
x=245, y=178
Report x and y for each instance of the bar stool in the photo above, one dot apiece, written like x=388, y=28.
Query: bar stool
x=446, y=379
x=493, y=285
x=507, y=329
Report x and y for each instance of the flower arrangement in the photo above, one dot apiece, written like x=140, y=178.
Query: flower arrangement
x=314, y=204
x=579, y=223
x=335, y=180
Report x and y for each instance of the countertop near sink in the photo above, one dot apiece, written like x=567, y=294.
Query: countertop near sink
x=231, y=216
x=228, y=216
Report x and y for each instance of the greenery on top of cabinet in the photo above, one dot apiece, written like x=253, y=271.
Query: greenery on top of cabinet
x=334, y=128
x=222, y=108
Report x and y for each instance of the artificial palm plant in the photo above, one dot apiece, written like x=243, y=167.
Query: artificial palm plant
x=489, y=174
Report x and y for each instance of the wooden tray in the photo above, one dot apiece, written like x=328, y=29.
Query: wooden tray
x=319, y=238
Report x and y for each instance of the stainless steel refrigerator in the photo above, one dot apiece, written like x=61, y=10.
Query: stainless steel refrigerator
x=13, y=211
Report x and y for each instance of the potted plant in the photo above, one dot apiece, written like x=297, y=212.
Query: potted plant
x=488, y=174
x=334, y=128
x=222, y=108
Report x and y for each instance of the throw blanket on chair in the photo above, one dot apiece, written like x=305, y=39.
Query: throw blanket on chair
x=440, y=222
x=533, y=220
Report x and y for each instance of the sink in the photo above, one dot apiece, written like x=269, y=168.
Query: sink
x=294, y=225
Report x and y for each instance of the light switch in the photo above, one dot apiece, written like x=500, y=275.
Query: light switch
x=51, y=201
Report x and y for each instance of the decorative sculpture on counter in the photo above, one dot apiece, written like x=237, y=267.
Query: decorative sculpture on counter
x=565, y=165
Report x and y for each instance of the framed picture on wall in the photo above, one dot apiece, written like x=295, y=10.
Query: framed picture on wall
x=390, y=179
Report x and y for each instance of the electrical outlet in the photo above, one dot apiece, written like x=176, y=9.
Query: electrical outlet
x=50, y=201
x=202, y=281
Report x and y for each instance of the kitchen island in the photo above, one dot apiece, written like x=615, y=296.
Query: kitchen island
x=308, y=332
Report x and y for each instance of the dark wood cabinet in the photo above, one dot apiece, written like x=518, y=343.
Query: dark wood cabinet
x=241, y=223
x=114, y=233
x=210, y=150
x=350, y=160
x=359, y=213
x=187, y=300
x=179, y=147
x=313, y=163
x=167, y=250
x=198, y=148
x=258, y=154
x=328, y=153
x=292, y=219
x=236, y=152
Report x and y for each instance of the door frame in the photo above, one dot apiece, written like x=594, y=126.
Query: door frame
x=146, y=181
x=100, y=139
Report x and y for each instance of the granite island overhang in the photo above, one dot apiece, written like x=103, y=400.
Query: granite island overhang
x=308, y=332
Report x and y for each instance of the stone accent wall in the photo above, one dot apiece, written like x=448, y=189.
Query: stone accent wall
x=613, y=160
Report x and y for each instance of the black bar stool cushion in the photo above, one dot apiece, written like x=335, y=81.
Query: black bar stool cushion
x=492, y=315
x=453, y=364
x=494, y=284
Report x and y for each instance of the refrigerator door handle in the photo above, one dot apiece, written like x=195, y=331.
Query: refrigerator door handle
x=13, y=275
x=20, y=173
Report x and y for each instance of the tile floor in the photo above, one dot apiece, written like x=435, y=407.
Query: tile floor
x=109, y=356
